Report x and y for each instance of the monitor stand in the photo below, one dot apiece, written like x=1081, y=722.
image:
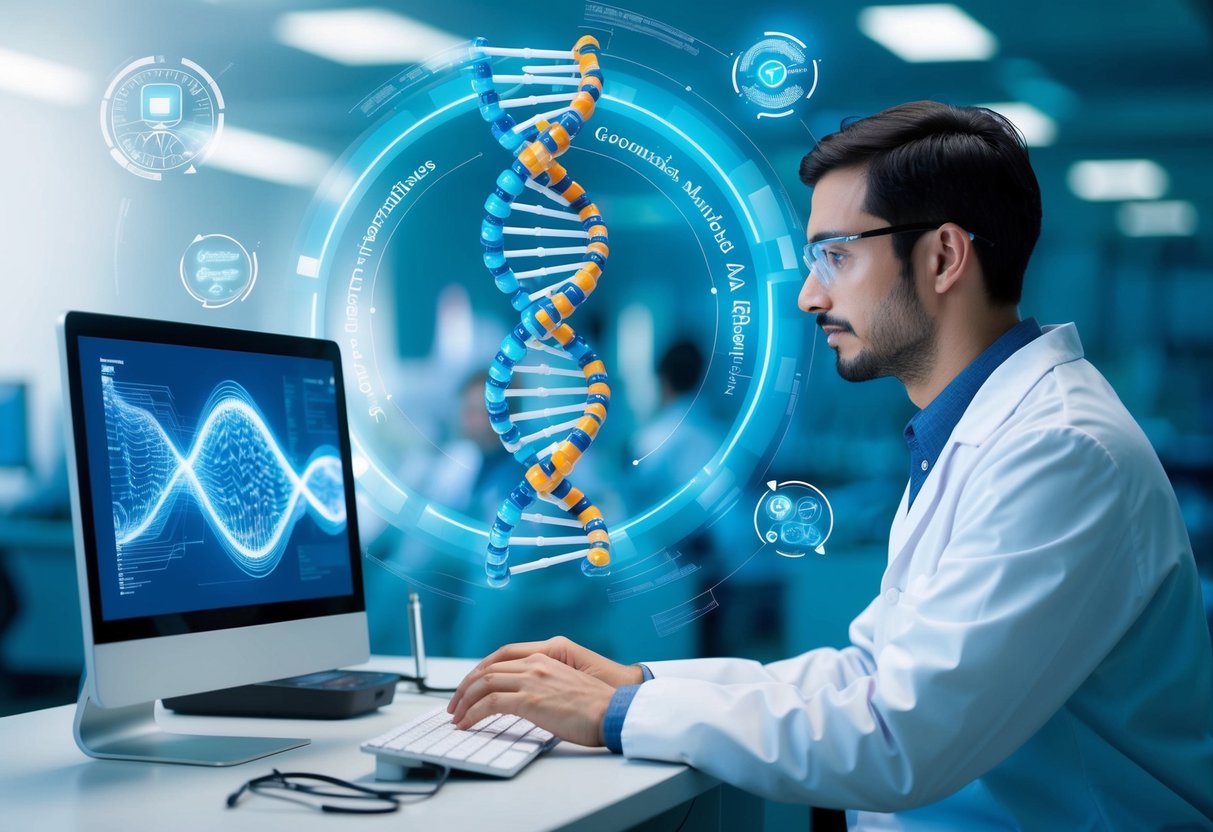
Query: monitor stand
x=131, y=733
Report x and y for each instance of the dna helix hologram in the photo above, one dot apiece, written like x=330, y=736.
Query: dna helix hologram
x=235, y=470
x=543, y=335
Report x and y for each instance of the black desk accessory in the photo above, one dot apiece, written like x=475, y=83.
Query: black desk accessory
x=331, y=694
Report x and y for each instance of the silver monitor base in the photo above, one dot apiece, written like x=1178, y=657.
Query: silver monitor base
x=131, y=733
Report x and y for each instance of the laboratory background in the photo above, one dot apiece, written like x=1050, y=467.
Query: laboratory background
x=321, y=168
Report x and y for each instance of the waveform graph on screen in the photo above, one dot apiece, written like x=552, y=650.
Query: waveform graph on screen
x=225, y=478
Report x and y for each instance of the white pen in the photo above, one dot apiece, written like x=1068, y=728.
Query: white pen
x=416, y=635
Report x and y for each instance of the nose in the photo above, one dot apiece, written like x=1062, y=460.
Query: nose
x=813, y=298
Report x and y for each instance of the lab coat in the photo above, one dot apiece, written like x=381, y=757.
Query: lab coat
x=1037, y=656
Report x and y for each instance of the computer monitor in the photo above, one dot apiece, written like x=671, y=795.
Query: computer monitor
x=14, y=427
x=216, y=537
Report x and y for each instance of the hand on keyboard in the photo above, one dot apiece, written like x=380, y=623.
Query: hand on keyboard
x=569, y=652
x=570, y=703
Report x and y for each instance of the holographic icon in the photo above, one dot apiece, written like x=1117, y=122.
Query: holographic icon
x=795, y=516
x=779, y=507
x=158, y=116
x=217, y=270
x=234, y=459
x=808, y=510
x=543, y=330
x=774, y=74
x=162, y=105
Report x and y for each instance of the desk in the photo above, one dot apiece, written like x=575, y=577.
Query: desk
x=47, y=783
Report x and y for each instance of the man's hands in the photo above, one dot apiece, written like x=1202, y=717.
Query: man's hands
x=556, y=684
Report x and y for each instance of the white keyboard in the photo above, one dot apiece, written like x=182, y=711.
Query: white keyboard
x=499, y=745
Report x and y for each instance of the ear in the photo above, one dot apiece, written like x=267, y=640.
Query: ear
x=952, y=256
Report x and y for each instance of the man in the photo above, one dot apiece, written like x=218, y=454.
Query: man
x=1037, y=656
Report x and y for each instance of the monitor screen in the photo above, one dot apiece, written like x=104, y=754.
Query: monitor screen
x=14, y=435
x=214, y=472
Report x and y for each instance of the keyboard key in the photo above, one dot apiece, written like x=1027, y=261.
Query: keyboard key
x=462, y=751
x=509, y=759
x=517, y=730
x=539, y=734
x=490, y=750
x=485, y=723
x=446, y=743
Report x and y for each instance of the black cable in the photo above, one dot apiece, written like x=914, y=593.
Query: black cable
x=687, y=816
x=423, y=687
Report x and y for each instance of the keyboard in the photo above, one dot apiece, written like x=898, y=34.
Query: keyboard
x=499, y=745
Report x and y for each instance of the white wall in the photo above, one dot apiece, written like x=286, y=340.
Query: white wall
x=57, y=212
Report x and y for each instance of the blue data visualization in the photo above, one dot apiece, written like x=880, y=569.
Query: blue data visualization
x=223, y=473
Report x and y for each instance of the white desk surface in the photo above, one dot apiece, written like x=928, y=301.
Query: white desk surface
x=47, y=783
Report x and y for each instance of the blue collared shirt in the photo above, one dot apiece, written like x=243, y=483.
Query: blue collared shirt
x=928, y=431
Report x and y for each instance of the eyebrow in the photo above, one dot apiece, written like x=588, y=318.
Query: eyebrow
x=825, y=235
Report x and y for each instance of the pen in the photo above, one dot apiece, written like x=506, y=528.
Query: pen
x=416, y=635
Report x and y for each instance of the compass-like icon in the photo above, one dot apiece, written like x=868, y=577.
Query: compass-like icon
x=775, y=74
x=159, y=116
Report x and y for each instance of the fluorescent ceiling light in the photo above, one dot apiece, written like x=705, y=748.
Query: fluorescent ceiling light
x=362, y=37
x=1117, y=179
x=1168, y=218
x=43, y=80
x=266, y=157
x=928, y=32
x=1037, y=126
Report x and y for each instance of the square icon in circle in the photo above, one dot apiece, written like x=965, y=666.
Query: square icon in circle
x=161, y=104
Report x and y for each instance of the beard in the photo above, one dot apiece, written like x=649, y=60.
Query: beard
x=902, y=340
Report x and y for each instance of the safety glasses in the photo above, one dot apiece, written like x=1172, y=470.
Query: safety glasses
x=827, y=259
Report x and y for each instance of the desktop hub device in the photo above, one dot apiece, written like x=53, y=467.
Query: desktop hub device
x=333, y=694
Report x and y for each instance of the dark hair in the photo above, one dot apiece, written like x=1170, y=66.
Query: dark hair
x=930, y=162
x=681, y=366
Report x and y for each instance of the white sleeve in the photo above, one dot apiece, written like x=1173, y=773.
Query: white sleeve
x=833, y=668
x=1034, y=588
x=808, y=671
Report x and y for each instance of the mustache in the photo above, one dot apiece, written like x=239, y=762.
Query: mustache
x=824, y=320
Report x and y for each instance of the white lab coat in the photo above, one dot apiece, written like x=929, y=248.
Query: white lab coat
x=1037, y=657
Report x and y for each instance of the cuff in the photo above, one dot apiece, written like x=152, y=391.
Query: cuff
x=612, y=723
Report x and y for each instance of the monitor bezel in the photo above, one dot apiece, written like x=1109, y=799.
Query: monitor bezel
x=120, y=328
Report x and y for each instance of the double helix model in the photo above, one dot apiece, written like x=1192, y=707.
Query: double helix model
x=543, y=338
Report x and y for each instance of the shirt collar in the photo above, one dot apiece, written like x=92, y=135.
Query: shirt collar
x=929, y=429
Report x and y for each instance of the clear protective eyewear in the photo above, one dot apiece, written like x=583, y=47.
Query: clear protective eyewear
x=825, y=262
